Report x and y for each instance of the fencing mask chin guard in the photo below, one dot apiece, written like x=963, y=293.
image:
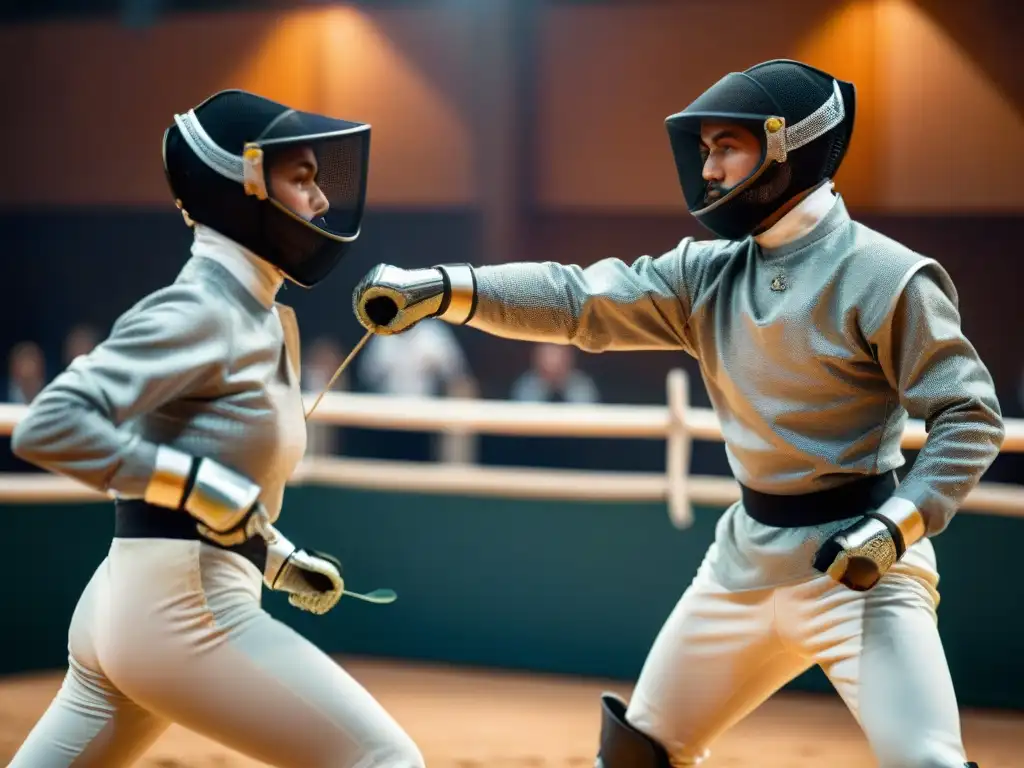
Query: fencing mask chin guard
x=804, y=119
x=217, y=158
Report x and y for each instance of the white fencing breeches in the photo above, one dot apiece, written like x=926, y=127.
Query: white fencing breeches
x=172, y=631
x=722, y=653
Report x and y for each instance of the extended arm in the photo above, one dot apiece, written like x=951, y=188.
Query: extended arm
x=610, y=305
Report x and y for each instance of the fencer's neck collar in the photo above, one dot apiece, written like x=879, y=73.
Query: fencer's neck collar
x=798, y=222
x=261, y=278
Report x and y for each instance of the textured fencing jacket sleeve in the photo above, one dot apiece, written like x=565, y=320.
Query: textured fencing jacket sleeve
x=166, y=347
x=609, y=306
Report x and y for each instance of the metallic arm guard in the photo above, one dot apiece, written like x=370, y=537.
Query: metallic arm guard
x=904, y=521
x=213, y=494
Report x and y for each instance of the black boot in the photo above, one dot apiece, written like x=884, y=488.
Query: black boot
x=622, y=745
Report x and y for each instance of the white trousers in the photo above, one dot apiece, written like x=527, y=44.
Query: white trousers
x=172, y=631
x=722, y=653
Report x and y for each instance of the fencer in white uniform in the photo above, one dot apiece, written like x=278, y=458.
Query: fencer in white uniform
x=817, y=338
x=191, y=415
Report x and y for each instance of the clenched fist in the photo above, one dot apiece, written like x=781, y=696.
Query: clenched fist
x=861, y=554
x=391, y=300
x=312, y=579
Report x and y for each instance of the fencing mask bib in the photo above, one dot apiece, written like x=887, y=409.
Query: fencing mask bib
x=217, y=158
x=803, y=118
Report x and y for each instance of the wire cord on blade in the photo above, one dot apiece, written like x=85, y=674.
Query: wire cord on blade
x=341, y=369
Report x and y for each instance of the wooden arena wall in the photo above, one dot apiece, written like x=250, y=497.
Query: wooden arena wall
x=575, y=588
x=940, y=102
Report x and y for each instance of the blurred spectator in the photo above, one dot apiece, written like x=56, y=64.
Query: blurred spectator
x=319, y=362
x=554, y=378
x=425, y=361
x=26, y=373
x=551, y=378
x=81, y=340
x=26, y=377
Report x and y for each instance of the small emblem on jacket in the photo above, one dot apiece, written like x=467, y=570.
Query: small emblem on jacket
x=779, y=283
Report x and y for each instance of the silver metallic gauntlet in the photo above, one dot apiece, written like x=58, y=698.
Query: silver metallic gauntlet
x=312, y=579
x=860, y=555
x=391, y=300
x=213, y=494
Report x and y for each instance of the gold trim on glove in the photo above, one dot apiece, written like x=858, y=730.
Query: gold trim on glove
x=166, y=485
x=906, y=517
x=462, y=298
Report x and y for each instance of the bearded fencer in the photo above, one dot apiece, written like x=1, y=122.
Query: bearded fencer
x=817, y=338
x=190, y=415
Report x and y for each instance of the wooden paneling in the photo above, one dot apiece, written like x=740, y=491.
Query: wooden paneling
x=93, y=99
x=936, y=131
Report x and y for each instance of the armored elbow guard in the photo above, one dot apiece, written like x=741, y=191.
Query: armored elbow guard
x=216, y=496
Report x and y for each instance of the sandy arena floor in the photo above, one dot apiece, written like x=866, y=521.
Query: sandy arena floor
x=479, y=719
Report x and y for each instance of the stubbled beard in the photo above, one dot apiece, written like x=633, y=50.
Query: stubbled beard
x=714, y=191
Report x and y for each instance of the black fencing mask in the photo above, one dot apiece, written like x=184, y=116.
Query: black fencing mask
x=804, y=119
x=217, y=158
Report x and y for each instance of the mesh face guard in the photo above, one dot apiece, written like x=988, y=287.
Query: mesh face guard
x=739, y=98
x=304, y=250
x=342, y=153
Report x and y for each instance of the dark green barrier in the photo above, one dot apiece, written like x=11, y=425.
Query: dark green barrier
x=576, y=588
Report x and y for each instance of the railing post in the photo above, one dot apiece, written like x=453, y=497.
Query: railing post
x=677, y=457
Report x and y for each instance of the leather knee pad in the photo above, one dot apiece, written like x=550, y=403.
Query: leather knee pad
x=622, y=745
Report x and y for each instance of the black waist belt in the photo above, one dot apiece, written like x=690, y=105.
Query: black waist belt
x=137, y=519
x=848, y=500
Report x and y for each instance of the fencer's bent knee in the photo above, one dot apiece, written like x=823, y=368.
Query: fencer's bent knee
x=622, y=745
